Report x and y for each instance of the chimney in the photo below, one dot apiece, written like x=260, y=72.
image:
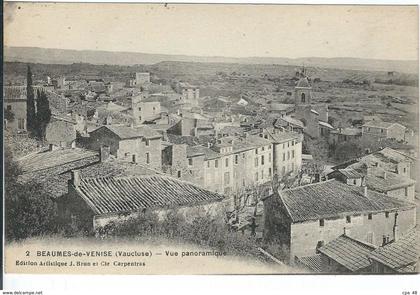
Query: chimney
x=75, y=177
x=365, y=191
x=395, y=230
x=178, y=112
x=104, y=153
x=73, y=144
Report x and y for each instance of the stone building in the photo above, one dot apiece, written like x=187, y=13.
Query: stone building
x=138, y=144
x=305, y=218
x=228, y=165
x=95, y=202
x=287, y=150
x=142, y=79
x=15, y=99
x=144, y=111
x=192, y=127
x=190, y=94
x=382, y=130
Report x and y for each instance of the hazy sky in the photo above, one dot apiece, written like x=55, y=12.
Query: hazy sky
x=218, y=30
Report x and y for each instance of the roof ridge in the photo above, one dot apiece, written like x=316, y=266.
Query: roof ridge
x=310, y=184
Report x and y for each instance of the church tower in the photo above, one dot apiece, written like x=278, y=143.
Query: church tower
x=303, y=90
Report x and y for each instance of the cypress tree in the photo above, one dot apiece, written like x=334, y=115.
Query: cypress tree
x=43, y=114
x=30, y=104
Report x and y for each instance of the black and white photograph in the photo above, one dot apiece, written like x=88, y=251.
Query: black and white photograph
x=166, y=139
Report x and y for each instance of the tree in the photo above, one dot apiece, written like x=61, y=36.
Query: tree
x=43, y=114
x=29, y=211
x=30, y=104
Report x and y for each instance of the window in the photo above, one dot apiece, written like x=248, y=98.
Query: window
x=293, y=154
x=139, y=108
x=288, y=144
x=236, y=159
x=9, y=107
x=283, y=145
x=243, y=156
x=154, y=109
x=406, y=191
x=293, y=142
x=269, y=172
x=256, y=151
x=21, y=124
x=262, y=148
x=303, y=98
x=370, y=216
x=348, y=219
x=227, y=178
x=288, y=155
x=256, y=162
x=256, y=176
x=284, y=156
x=354, y=181
x=386, y=214
x=262, y=174
x=179, y=174
x=262, y=160
x=321, y=222
x=269, y=147
x=208, y=164
x=190, y=161
x=382, y=131
x=147, y=158
x=139, y=118
x=405, y=170
x=147, y=142
x=216, y=163
x=227, y=162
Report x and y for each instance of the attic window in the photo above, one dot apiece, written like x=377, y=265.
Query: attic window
x=348, y=219
x=303, y=98
x=370, y=216
x=321, y=222
x=190, y=161
x=179, y=174
x=386, y=214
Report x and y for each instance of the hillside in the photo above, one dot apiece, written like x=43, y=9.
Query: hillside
x=64, y=56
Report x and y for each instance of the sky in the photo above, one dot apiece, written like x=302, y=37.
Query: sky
x=293, y=31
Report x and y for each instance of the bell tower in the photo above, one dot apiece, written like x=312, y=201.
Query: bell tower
x=303, y=90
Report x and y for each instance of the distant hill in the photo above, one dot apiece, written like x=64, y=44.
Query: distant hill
x=64, y=56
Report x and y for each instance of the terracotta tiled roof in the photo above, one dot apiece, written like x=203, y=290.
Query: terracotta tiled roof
x=380, y=124
x=383, y=181
x=198, y=150
x=350, y=173
x=332, y=198
x=348, y=252
x=125, y=194
x=292, y=121
x=313, y=262
x=126, y=132
x=50, y=159
x=401, y=255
